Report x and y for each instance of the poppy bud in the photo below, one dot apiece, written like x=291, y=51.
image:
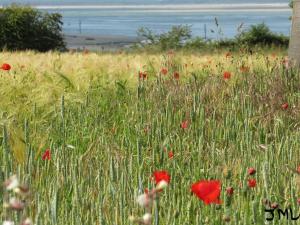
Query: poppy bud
x=164, y=71
x=285, y=106
x=229, y=191
x=251, y=171
x=176, y=75
x=170, y=155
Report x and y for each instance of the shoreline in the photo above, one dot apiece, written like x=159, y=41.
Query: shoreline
x=99, y=42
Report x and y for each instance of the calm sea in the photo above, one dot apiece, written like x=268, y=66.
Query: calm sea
x=124, y=18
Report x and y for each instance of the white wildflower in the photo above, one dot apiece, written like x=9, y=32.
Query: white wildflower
x=11, y=183
x=7, y=222
x=147, y=218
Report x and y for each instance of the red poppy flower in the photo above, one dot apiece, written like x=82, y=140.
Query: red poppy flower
x=251, y=171
x=47, y=155
x=164, y=71
x=161, y=176
x=285, y=106
x=170, y=155
x=251, y=183
x=229, y=191
x=208, y=191
x=6, y=67
x=298, y=201
x=176, y=75
x=184, y=124
x=226, y=75
x=143, y=75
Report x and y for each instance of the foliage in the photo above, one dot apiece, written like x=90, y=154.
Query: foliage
x=261, y=35
x=173, y=39
x=24, y=28
x=181, y=38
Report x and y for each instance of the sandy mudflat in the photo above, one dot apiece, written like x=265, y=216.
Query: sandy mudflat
x=99, y=43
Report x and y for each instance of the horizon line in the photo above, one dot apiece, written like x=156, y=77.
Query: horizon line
x=177, y=7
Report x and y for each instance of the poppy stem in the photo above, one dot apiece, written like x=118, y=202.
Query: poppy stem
x=156, y=221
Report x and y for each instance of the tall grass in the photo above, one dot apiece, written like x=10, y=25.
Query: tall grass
x=120, y=125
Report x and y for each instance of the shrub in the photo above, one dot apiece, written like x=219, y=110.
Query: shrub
x=24, y=28
x=261, y=35
x=196, y=43
x=173, y=39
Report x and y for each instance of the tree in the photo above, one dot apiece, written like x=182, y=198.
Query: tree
x=25, y=28
x=294, y=48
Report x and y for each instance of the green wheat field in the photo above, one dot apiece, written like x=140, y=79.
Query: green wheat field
x=108, y=130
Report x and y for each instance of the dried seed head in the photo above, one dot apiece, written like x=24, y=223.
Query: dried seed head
x=226, y=219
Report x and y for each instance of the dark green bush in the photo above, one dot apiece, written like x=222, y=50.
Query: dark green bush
x=25, y=28
x=179, y=37
x=261, y=35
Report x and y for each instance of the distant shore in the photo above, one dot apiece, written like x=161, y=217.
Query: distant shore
x=99, y=42
x=175, y=7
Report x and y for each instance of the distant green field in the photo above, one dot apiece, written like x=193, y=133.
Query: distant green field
x=108, y=130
